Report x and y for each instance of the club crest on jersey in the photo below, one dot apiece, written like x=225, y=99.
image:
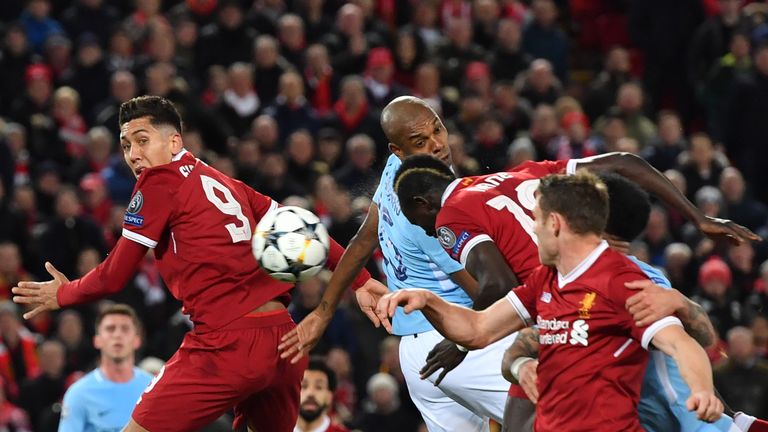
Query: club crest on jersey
x=137, y=202
x=446, y=237
x=586, y=304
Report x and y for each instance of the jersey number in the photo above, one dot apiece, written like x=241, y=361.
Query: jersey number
x=525, y=195
x=229, y=207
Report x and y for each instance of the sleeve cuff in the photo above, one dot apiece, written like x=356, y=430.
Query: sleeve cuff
x=655, y=327
x=570, y=167
x=514, y=300
x=471, y=244
x=140, y=239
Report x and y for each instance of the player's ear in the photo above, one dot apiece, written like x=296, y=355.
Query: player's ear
x=177, y=144
x=557, y=222
x=97, y=342
x=396, y=150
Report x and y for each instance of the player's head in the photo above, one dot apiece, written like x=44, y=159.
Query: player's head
x=629, y=207
x=419, y=184
x=568, y=206
x=150, y=132
x=412, y=127
x=118, y=333
x=317, y=387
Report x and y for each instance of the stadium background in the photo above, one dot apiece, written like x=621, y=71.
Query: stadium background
x=286, y=95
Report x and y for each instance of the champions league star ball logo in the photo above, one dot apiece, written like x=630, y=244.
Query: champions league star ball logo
x=446, y=237
x=136, y=203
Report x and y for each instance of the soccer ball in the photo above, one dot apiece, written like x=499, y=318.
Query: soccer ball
x=291, y=244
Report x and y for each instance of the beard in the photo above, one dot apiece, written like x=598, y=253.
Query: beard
x=310, y=415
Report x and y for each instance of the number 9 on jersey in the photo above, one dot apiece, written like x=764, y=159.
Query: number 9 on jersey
x=291, y=244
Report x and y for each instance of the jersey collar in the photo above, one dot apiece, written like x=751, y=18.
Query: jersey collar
x=178, y=155
x=583, y=266
x=449, y=191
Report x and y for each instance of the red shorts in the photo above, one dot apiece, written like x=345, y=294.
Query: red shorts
x=238, y=367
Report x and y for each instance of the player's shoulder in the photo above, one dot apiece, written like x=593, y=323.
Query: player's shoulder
x=541, y=168
x=142, y=377
x=656, y=275
x=393, y=163
x=83, y=385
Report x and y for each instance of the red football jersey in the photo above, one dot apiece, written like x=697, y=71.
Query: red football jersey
x=496, y=207
x=200, y=223
x=591, y=360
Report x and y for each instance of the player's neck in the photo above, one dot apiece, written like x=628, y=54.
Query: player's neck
x=119, y=372
x=574, y=249
x=304, y=426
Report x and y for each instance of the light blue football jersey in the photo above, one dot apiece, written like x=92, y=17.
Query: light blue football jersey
x=412, y=259
x=96, y=404
x=664, y=393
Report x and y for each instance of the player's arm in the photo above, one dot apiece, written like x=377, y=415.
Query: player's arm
x=649, y=178
x=106, y=279
x=466, y=327
x=694, y=367
x=301, y=339
x=654, y=302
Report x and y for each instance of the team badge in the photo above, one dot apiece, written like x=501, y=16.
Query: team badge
x=136, y=203
x=446, y=237
x=586, y=304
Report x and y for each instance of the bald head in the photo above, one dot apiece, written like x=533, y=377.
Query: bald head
x=413, y=127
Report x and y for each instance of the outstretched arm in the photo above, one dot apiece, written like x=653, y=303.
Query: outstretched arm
x=464, y=326
x=106, y=279
x=520, y=362
x=694, y=367
x=305, y=336
x=649, y=178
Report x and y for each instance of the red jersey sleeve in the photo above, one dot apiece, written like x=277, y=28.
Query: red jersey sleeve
x=107, y=278
x=619, y=294
x=458, y=232
x=260, y=203
x=149, y=211
x=524, y=297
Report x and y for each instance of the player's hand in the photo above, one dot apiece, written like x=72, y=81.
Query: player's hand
x=707, y=405
x=717, y=228
x=652, y=302
x=527, y=379
x=368, y=297
x=445, y=355
x=41, y=296
x=300, y=341
x=410, y=299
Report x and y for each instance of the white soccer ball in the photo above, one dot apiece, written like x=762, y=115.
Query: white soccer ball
x=291, y=244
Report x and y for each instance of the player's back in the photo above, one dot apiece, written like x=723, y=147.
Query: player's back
x=496, y=207
x=204, y=252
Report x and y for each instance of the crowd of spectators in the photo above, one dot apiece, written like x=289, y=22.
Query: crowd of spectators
x=286, y=96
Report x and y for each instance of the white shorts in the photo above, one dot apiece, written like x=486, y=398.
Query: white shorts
x=468, y=395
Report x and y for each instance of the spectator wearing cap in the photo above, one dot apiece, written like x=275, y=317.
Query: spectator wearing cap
x=90, y=16
x=38, y=23
x=18, y=350
x=702, y=166
x=664, y=150
x=96, y=202
x=16, y=57
x=739, y=204
x=507, y=59
x=455, y=53
x=379, y=78
x=477, y=78
x=539, y=84
x=714, y=294
x=36, y=100
x=575, y=142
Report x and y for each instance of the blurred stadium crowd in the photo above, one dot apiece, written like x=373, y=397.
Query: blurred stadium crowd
x=286, y=95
